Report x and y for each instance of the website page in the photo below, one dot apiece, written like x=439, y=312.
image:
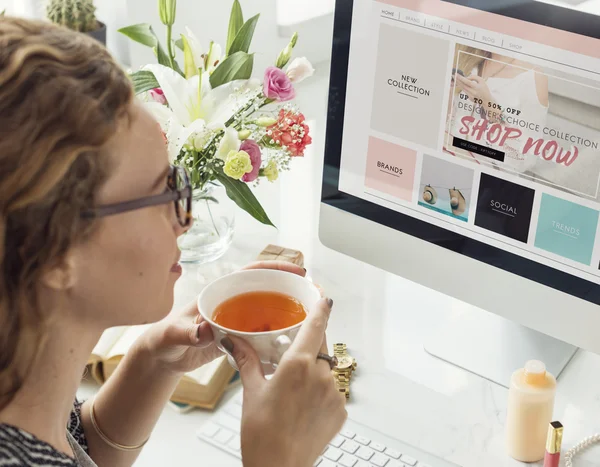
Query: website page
x=481, y=124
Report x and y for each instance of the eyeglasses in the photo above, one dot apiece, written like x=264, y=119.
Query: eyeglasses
x=179, y=191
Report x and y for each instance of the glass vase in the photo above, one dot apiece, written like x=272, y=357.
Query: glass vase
x=212, y=232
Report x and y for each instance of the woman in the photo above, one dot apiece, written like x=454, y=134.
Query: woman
x=493, y=84
x=89, y=218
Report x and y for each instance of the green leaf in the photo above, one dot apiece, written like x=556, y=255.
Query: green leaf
x=239, y=192
x=162, y=56
x=179, y=44
x=144, y=81
x=236, y=21
x=242, y=41
x=141, y=33
x=3, y=13
x=208, y=198
x=236, y=66
x=144, y=34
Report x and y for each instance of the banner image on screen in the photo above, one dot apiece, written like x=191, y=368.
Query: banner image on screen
x=524, y=119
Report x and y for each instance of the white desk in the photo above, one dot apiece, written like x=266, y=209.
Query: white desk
x=398, y=389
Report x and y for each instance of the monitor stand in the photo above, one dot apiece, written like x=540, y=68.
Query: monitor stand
x=494, y=347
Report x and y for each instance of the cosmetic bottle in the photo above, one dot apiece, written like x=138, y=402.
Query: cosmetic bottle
x=553, y=445
x=530, y=406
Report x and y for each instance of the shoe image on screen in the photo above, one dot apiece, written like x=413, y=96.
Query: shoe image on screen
x=524, y=119
x=504, y=207
x=445, y=188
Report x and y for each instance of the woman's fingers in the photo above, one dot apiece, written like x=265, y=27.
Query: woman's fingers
x=310, y=337
x=277, y=265
x=247, y=361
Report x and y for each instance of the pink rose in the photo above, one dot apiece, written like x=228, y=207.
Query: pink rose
x=158, y=95
x=277, y=85
x=249, y=146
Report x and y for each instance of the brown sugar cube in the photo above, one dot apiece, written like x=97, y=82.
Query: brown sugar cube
x=279, y=253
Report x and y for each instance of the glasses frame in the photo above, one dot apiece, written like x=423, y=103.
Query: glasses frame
x=173, y=195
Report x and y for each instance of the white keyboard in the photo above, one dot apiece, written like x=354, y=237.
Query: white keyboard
x=355, y=446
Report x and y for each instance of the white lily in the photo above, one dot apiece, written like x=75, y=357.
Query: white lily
x=192, y=54
x=214, y=57
x=194, y=108
x=229, y=142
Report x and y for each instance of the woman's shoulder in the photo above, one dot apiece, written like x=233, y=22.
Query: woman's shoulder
x=20, y=448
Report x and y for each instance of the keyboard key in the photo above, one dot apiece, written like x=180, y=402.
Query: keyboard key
x=379, y=460
x=337, y=441
x=229, y=422
x=234, y=410
x=235, y=443
x=348, y=461
x=350, y=447
x=409, y=460
x=362, y=440
x=392, y=453
x=362, y=463
x=209, y=430
x=393, y=463
x=333, y=454
x=364, y=453
x=377, y=447
x=424, y=465
x=348, y=434
x=223, y=436
x=327, y=463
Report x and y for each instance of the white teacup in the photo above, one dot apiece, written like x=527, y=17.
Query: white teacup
x=271, y=345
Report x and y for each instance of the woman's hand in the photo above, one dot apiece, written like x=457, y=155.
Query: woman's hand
x=183, y=341
x=288, y=421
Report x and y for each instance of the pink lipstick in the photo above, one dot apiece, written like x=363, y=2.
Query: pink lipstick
x=553, y=445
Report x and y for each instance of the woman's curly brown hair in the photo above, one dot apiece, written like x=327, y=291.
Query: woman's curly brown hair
x=62, y=97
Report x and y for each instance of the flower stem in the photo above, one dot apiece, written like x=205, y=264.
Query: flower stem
x=211, y=218
x=170, y=45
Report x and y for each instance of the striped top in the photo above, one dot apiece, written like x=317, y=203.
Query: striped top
x=19, y=448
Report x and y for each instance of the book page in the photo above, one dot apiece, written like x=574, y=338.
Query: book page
x=205, y=373
x=126, y=340
x=107, y=340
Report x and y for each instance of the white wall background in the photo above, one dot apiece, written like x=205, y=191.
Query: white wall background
x=209, y=20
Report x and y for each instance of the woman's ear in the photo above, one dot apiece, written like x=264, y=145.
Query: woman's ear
x=61, y=276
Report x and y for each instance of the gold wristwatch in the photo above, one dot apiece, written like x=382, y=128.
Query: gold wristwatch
x=342, y=372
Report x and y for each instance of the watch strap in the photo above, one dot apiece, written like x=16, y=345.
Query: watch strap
x=342, y=378
x=340, y=350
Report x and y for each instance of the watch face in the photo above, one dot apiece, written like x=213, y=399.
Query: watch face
x=344, y=363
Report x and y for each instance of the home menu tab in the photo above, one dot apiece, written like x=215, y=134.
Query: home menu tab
x=484, y=125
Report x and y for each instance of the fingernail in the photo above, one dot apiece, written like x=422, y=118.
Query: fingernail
x=330, y=303
x=227, y=344
x=304, y=269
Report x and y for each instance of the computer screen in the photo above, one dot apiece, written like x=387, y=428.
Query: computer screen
x=473, y=125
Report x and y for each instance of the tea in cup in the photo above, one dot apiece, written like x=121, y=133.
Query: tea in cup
x=263, y=306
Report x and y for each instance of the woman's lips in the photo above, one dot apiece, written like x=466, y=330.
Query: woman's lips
x=176, y=268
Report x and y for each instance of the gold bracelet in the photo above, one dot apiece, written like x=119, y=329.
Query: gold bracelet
x=105, y=438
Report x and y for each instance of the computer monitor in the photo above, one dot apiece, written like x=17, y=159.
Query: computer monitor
x=463, y=153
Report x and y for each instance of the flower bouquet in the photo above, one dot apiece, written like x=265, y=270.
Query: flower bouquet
x=226, y=127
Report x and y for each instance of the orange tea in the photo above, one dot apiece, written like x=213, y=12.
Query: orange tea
x=259, y=312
